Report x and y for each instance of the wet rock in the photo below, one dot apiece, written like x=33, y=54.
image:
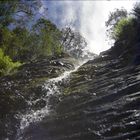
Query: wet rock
x=100, y=101
x=19, y=90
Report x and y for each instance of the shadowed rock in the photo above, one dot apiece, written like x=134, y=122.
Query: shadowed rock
x=101, y=100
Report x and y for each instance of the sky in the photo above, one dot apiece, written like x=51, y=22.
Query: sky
x=86, y=16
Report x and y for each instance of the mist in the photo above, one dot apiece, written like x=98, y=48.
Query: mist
x=87, y=17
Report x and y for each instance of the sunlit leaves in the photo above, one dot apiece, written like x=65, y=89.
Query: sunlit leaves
x=6, y=64
x=123, y=28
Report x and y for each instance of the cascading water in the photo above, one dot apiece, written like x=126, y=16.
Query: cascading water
x=51, y=88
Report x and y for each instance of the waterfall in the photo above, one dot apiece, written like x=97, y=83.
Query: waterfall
x=88, y=17
x=51, y=88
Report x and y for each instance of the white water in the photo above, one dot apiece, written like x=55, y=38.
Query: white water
x=86, y=16
x=33, y=116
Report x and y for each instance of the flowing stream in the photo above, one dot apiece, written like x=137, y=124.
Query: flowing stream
x=51, y=88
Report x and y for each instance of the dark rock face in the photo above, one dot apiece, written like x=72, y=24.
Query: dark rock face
x=17, y=90
x=100, y=101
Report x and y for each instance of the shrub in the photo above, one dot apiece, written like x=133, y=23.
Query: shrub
x=6, y=64
x=124, y=29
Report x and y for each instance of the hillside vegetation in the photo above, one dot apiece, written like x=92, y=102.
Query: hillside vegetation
x=26, y=36
x=124, y=29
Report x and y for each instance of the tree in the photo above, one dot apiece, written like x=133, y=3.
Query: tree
x=73, y=42
x=50, y=37
x=7, y=8
x=17, y=11
x=6, y=64
x=113, y=20
x=136, y=10
x=124, y=30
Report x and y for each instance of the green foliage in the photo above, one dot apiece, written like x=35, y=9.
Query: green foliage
x=24, y=45
x=49, y=37
x=115, y=16
x=6, y=64
x=124, y=29
x=21, y=42
x=113, y=19
x=7, y=8
x=18, y=12
x=125, y=33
